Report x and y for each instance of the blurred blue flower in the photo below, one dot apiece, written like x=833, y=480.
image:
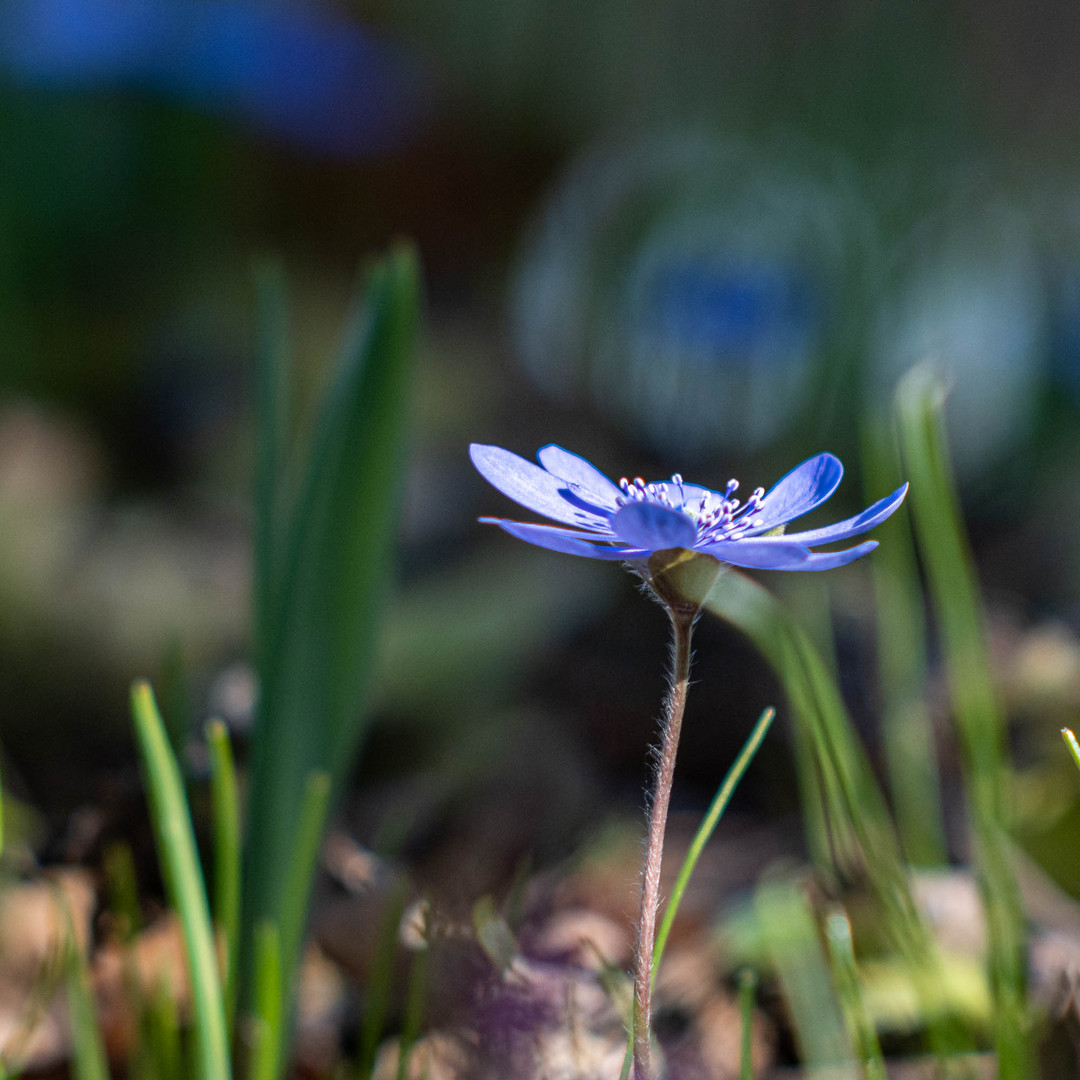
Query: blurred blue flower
x=630, y=520
x=699, y=287
x=300, y=74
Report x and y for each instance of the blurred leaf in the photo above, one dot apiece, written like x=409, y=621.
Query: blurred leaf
x=270, y=1010
x=226, y=821
x=88, y=1045
x=793, y=944
x=183, y=881
x=910, y=753
x=845, y=974
x=979, y=721
x=319, y=607
x=854, y=801
x=747, y=989
x=707, y=828
x=380, y=978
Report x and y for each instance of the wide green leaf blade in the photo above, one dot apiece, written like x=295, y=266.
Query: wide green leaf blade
x=321, y=601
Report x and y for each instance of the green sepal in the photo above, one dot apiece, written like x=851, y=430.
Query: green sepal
x=682, y=578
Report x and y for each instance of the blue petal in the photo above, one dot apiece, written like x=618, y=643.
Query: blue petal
x=531, y=486
x=575, y=534
x=652, y=526
x=829, y=560
x=806, y=486
x=765, y=554
x=564, y=540
x=588, y=479
x=871, y=516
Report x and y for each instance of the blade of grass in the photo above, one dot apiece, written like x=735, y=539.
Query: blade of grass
x=791, y=937
x=88, y=1046
x=414, y=1003
x=747, y=990
x=267, y=1038
x=706, y=829
x=123, y=891
x=319, y=616
x=377, y=1000
x=183, y=881
x=845, y=975
x=908, y=736
x=302, y=864
x=161, y=1022
x=697, y=845
x=225, y=803
x=856, y=803
x=1072, y=744
x=979, y=720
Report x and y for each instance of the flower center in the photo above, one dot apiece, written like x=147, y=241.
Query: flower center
x=717, y=516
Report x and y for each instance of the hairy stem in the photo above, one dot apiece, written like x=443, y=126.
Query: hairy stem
x=682, y=625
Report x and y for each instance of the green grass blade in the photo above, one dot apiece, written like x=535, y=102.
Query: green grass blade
x=225, y=802
x=122, y=888
x=267, y=1035
x=162, y=1029
x=183, y=880
x=978, y=717
x=302, y=864
x=377, y=1000
x=857, y=808
x=414, y=1004
x=88, y=1047
x=907, y=732
x=845, y=976
x=846, y=780
x=320, y=626
x=1072, y=744
x=706, y=829
x=787, y=928
x=747, y=990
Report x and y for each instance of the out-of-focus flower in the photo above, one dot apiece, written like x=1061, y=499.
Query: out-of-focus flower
x=690, y=283
x=969, y=293
x=303, y=75
x=632, y=520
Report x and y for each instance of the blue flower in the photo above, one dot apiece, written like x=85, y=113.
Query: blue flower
x=632, y=519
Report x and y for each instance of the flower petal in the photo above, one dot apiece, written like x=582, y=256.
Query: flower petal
x=564, y=540
x=764, y=554
x=652, y=526
x=871, y=516
x=588, y=479
x=574, y=534
x=806, y=486
x=531, y=486
x=829, y=560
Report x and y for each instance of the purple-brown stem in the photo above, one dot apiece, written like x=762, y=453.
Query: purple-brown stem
x=682, y=625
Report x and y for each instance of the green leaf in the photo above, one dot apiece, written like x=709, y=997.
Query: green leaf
x=856, y=808
x=88, y=1045
x=269, y=1012
x=320, y=590
x=183, y=881
x=980, y=723
x=908, y=735
x=226, y=818
x=707, y=828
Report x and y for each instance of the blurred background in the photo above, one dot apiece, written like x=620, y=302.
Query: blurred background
x=704, y=238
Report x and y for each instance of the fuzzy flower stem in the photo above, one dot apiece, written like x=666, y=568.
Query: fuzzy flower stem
x=682, y=625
